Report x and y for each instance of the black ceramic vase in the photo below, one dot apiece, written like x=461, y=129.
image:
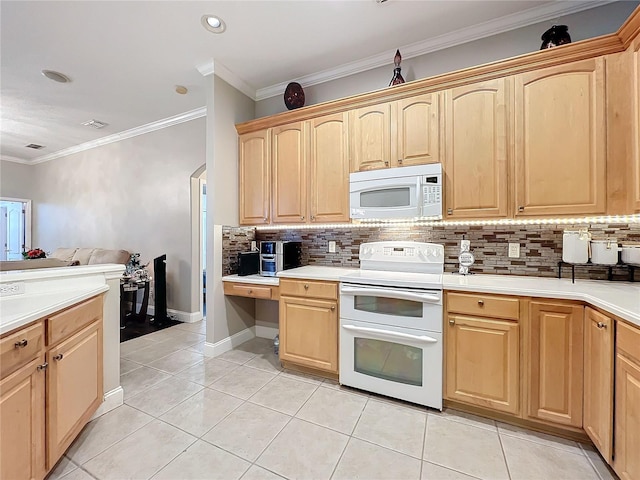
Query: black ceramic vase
x=294, y=96
x=556, y=35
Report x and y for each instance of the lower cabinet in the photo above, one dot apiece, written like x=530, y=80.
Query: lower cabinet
x=553, y=349
x=309, y=324
x=22, y=408
x=626, y=460
x=598, y=380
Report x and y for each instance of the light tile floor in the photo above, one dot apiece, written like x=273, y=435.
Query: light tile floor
x=241, y=416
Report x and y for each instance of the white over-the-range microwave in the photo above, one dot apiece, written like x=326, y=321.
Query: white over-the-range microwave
x=402, y=192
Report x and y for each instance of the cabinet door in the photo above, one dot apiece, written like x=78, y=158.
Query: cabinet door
x=370, y=137
x=635, y=128
x=476, y=154
x=560, y=140
x=627, y=429
x=22, y=406
x=329, y=169
x=483, y=362
x=309, y=332
x=598, y=380
x=289, y=163
x=74, y=388
x=554, y=350
x=418, y=130
x=254, y=176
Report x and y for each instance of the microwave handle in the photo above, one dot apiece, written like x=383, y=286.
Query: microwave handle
x=386, y=334
x=399, y=294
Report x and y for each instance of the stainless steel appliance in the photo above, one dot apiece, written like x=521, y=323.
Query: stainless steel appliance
x=277, y=256
x=403, y=192
x=391, y=322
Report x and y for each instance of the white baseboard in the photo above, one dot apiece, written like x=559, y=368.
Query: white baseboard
x=184, y=317
x=229, y=343
x=111, y=400
x=266, y=332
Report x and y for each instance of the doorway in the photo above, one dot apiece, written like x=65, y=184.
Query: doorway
x=15, y=227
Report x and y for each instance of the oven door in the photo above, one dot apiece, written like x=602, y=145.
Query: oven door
x=395, y=197
x=397, y=362
x=402, y=307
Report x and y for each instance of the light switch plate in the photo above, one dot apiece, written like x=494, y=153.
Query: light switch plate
x=514, y=250
x=332, y=246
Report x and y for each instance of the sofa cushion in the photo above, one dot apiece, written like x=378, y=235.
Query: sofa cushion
x=83, y=255
x=65, y=254
x=100, y=255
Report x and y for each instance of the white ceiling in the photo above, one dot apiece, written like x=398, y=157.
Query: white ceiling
x=126, y=57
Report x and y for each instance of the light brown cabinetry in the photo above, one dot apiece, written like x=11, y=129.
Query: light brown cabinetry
x=309, y=324
x=560, y=140
x=22, y=409
x=476, y=150
x=635, y=127
x=401, y=133
x=254, y=171
x=482, y=351
x=598, y=380
x=329, y=168
x=626, y=460
x=553, y=349
x=252, y=290
x=289, y=170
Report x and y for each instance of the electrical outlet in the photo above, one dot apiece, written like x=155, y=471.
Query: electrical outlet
x=7, y=289
x=332, y=246
x=514, y=250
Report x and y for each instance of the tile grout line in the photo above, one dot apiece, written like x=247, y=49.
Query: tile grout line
x=504, y=455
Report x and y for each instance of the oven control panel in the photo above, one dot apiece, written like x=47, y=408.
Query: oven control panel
x=382, y=255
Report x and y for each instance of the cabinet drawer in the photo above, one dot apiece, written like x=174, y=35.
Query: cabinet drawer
x=65, y=323
x=628, y=340
x=251, y=290
x=16, y=349
x=309, y=288
x=484, y=305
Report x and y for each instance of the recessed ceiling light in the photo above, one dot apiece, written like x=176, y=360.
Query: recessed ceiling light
x=97, y=124
x=213, y=24
x=56, y=76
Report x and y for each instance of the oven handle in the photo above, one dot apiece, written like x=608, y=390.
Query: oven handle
x=390, y=335
x=388, y=293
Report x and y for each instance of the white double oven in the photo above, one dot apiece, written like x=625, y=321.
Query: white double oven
x=391, y=322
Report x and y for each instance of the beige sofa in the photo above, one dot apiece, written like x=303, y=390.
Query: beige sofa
x=64, y=257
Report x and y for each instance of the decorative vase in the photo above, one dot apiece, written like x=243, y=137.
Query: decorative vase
x=294, y=96
x=397, y=76
x=556, y=35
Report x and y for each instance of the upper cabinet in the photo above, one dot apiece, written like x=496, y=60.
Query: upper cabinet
x=476, y=150
x=329, y=169
x=254, y=175
x=393, y=134
x=289, y=169
x=635, y=128
x=560, y=140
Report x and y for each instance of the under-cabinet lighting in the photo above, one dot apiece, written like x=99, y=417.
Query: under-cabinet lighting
x=426, y=222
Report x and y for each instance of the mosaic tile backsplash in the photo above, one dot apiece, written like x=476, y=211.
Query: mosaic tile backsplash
x=540, y=246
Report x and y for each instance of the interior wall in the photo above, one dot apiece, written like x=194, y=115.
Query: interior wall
x=587, y=24
x=133, y=194
x=16, y=180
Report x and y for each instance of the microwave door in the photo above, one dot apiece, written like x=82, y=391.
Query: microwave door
x=386, y=198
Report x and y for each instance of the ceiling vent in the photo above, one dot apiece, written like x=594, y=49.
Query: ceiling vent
x=35, y=146
x=97, y=124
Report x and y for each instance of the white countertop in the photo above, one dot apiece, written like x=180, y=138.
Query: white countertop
x=618, y=298
x=317, y=272
x=254, y=279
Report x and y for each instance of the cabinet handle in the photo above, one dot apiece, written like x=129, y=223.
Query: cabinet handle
x=22, y=343
x=301, y=217
x=313, y=217
x=306, y=286
x=58, y=357
x=265, y=219
x=250, y=292
x=520, y=208
x=386, y=163
x=481, y=303
x=449, y=211
x=601, y=325
x=399, y=161
x=42, y=367
x=333, y=308
x=452, y=321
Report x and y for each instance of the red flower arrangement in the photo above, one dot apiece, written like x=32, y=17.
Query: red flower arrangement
x=35, y=253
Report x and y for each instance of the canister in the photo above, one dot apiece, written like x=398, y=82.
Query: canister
x=575, y=246
x=604, y=252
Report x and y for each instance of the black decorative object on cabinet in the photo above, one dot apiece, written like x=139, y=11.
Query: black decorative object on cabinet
x=397, y=76
x=556, y=35
x=294, y=96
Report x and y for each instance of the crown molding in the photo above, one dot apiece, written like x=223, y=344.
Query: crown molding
x=9, y=158
x=214, y=67
x=117, y=137
x=451, y=39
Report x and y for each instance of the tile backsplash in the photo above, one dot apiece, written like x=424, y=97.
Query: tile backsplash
x=540, y=246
